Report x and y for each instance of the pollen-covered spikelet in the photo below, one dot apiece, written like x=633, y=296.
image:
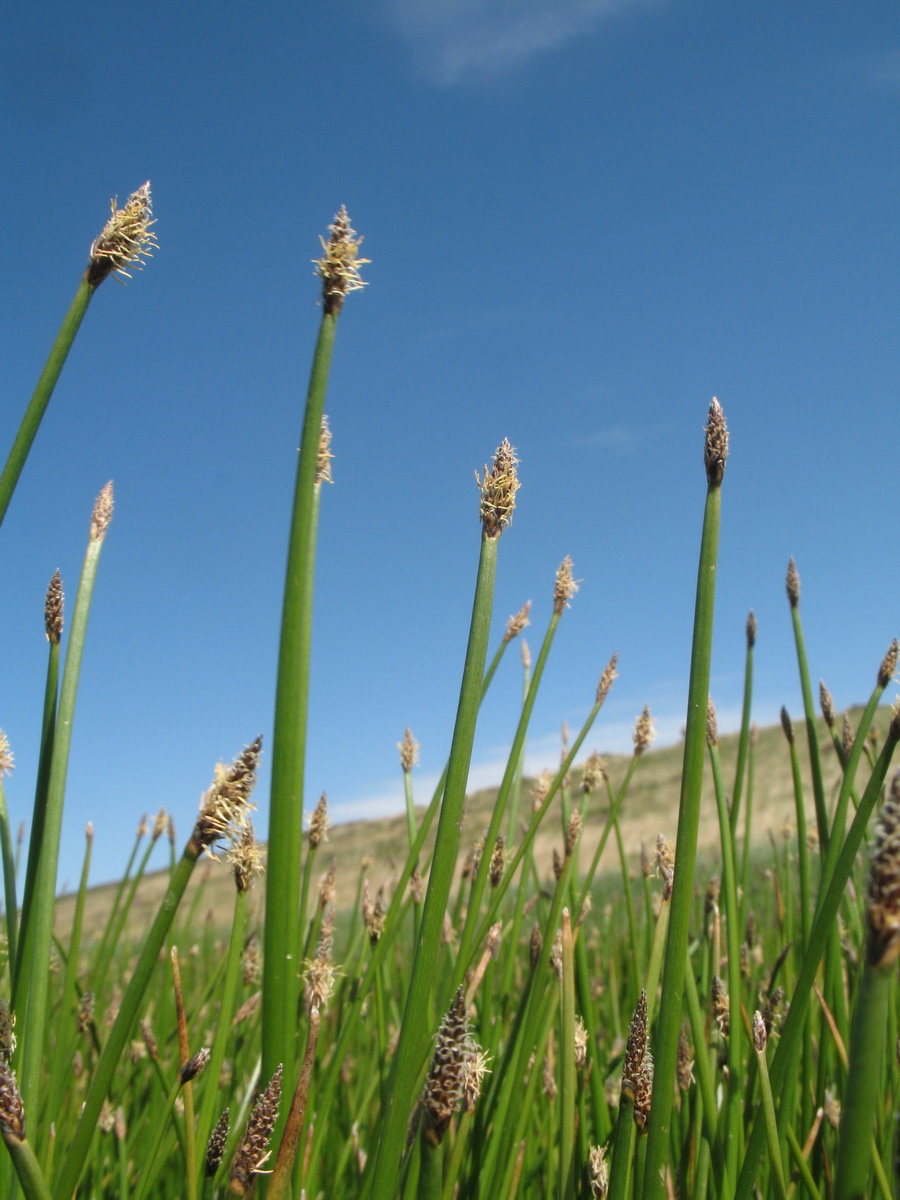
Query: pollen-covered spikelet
x=409, y=751
x=318, y=823
x=320, y=973
x=564, y=586
x=498, y=491
x=608, y=678
x=12, y=1112
x=715, y=449
x=253, y=1151
x=338, y=268
x=883, y=899
x=594, y=772
x=53, y=610
x=635, y=1049
x=598, y=1169
x=215, y=1147
x=644, y=733
x=7, y=1032
x=245, y=855
x=125, y=240
x=324, y=458
x=498, y=861
x=517, y=622
x=227, y=801
x=457, y=1066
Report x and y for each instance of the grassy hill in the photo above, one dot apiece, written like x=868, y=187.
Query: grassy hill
x=651, y=808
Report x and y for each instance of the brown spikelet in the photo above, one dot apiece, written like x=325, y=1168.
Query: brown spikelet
x=102, y=514
x=883, y=900
x=498, y=491
x=594, y=773
x=607, y=679
x=760, y=1036
x=7, y=762
x=498, y=861
x=535, y=945
x=53, y=610
x=635, y=1048
x=409, y=751
x=644, y=733
x=888, y=666
x=245, y=856
x=598, y=1170
x=215, y=1147
x=338, y=268
x=85, y=1012
x=848, y=736
x=228, y=798
x=444, y=1084
x=318, y=823
x=715, y=448
x=751, y=630
x=665, y=863
x=564, y=587
x=719, y=1004
x=826, y=704
x=253, y=1150
x=194, y=1065
x=787, y=725
x=792, y=584
x=517, y=622
x=12, y=1112
x=573, y=832
x=644, y=1094
x=125, y=239
x=712, y=725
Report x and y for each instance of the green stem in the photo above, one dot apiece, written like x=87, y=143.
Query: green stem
x=568, y=1086
x=10, y=902
x=413, y=1036
x=35, y=973
x=41, y=397
x=281, y=979
x=76, y=1158
x=31, y=1177
x=669, y=1027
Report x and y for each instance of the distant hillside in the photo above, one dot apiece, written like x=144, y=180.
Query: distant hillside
x=650, y=808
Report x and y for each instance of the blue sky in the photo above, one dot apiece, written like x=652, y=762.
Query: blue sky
x=585, y=219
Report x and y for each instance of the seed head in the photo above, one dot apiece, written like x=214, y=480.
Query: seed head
x=498, y=491
x=715, y=450
x=826, y=704
x=215, y=1147
x=848, y=736
x=7, y=1032
x=573, y=832
x=712, y=725
x=227, y=801
x=409, y=751
x=883, y=901
x=643, y=1096
x=253, y=1150
x=792, y=584
x=889, y=664
x=581, y=1043
x=194, y=1065
x=53, y=610
x=451, y=1070
x=594, y=773
x=751, y=630
x=125, y=240
x=517, y=622
x=6, y=756
x=565, y=586
x=85, y=1012
x=498, y=861
x=719, y=1003
x=684, y=1069
x=635, y=1048
x=102, y=514
x=598, y=1168
x=245, y=855
x=760, y=1036
x=12, y=1113
x=318, y=823
x=644, y=733
x=338, y=268
x=787, y=725
x=607, y=678
x=323, y=462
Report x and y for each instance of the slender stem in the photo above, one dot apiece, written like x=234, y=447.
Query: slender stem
x=669, y=1027
x=281, y=980
x=41, y=397
x=413, y=1036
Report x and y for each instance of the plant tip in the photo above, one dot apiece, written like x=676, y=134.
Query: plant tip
x=338, y=268
x=715, y=450
x=125, y=240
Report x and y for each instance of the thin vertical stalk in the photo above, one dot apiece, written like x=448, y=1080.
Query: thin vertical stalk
x=744, y=739
x=812, y=733
x=339, y=272
x=10, y=903
x=412, y=1044
x=568, y=1085
x=669, y=1027
x=36, y=973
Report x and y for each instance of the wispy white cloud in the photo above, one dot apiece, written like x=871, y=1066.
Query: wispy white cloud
x=623, y=439
x=455, y=41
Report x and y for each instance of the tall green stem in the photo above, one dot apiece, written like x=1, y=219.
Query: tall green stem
x=669, y=1028
x=41, y=397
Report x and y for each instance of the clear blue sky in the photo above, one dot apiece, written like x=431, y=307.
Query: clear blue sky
x=585, y=219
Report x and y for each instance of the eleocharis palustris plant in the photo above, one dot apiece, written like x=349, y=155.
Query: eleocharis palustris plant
x=125, y=240
x=338, y=270
x=498, y=497
x=670, y=1016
